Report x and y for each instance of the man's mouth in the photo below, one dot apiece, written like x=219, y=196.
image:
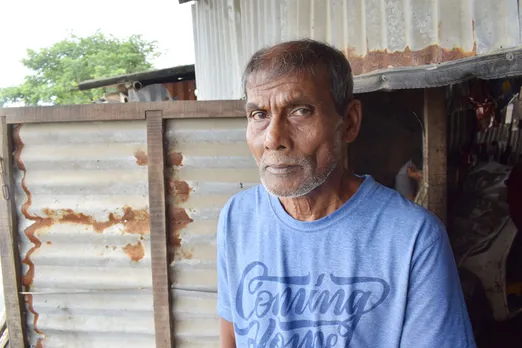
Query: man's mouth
x=281, y=169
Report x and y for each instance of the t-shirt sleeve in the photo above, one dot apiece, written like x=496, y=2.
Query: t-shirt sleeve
x=436, y=314
x=223, y=302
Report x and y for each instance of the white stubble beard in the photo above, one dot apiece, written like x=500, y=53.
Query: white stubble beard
x=310, y=183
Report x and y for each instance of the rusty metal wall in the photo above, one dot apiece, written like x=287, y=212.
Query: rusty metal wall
x=208, y=162
x=374, y=34
x=82, y=200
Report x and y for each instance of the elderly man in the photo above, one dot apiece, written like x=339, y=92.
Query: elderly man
x=317, y=256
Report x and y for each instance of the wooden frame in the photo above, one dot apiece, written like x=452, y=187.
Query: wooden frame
x=124, y=111
x=163, y=323
x=14, y=302
x=435, y=150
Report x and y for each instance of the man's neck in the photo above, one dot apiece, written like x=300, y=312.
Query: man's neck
x=325, y=199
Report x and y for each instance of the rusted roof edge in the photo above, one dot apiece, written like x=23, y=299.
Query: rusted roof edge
x=505, y=63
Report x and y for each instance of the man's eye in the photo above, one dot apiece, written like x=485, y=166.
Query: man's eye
x=302, y=112
x=258, y=115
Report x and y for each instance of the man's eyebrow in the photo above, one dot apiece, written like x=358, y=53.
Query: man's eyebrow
x=290, y=103
x=251, y=106
x=299, y=101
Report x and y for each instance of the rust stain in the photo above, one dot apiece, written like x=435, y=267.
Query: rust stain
x=35, y=314
x=141, y=158
x=30, y=307
x=135, y=221
x=30, y=231
x=175, y=159
x=184, y=254
x=135, y=251
x=180, y=189
x=182, y=90
x=39, y=222
x=375, y=60
x=178, y=219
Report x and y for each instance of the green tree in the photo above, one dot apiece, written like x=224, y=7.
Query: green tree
x=57, y=70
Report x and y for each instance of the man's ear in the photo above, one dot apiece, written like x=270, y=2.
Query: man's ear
x=352, y=121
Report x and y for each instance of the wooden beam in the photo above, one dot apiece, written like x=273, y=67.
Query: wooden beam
x=163, y=323
x=204, y=109
x=14, y=302
x=124, y=111
x=435, y=148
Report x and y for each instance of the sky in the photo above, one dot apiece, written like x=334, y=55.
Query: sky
x=36, y=24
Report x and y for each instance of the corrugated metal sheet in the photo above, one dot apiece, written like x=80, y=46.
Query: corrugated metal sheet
x=374, y=34
x=501, y=136
x=462, y=130
x=82, y=200
x=208, y=162
x=218, y=49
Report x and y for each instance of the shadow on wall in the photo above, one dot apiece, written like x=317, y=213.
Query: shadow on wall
x=390, y=135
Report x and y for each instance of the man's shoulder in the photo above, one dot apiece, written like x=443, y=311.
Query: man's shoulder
x=396, y=210
x=393, y=202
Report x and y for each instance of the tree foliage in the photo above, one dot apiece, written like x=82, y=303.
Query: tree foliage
x=57, y=70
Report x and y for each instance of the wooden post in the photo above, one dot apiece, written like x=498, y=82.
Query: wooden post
x=435, y=148
x=9, y=252
x=163, y=323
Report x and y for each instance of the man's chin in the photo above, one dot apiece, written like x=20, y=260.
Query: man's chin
x=283, y=188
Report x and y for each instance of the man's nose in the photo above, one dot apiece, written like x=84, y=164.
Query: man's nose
x=275, y=136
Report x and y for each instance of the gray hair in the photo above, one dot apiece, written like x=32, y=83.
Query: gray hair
x=308, y=56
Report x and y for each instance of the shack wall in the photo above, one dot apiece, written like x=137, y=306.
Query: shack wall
x=374, y=34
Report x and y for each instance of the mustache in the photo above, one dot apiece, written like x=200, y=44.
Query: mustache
x=266, y=161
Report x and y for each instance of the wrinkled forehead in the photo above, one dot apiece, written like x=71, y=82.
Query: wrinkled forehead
x=297, y=84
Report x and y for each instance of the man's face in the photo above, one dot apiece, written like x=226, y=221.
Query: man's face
x=294, y=132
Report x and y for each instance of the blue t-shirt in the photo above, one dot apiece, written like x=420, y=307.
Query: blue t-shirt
x=378, y=272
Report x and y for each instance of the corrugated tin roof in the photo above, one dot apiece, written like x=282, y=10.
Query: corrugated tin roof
x=82, y=200
x=208, y=163
x=374, y=35
x=183, y=72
